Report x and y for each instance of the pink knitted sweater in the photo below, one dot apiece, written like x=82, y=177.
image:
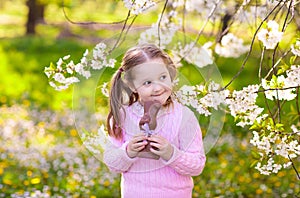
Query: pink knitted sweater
x=149, y=178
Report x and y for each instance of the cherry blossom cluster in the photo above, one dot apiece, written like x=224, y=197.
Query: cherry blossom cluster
x=296, y=48
x=162, y=32
x=138, y=6
x=242, y=106
x=200, y=56
x=63, y=74
x=231, y=46
x=276, y=149
x=202, y=98
x=281, y=87
x=270, y=36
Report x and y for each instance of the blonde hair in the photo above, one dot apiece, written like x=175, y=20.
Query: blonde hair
x=120, y=91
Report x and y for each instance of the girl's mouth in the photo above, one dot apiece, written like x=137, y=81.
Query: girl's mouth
x=156, y=95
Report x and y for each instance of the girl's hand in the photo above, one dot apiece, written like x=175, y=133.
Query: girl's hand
x=136, y=144
x=164, y=148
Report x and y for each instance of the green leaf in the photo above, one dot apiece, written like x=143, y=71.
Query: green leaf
x=52, y=66
x=255, y=155
x=292, y=60
x=254, y=163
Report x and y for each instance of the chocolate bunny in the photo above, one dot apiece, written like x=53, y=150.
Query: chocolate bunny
x=148, y=123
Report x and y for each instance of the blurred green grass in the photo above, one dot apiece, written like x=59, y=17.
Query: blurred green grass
x=22, y=64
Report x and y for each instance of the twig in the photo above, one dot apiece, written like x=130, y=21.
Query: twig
x=260, y=63
x=293, y=165
x=286, y=17
x=123, y=28
x=278, y=61
x=129, y=27
x=268, y=107
x=273, y=89
x=159, y=22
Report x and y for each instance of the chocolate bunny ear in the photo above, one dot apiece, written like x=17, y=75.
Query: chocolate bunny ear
x=151, y=109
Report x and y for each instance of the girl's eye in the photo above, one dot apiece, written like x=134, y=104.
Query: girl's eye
x=147, y=83
x=163, y=77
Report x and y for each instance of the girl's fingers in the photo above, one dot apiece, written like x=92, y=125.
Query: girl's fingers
x=155, y=145
x=140, y=148
x=153, y=138
x=140, y=144
x=138, y=139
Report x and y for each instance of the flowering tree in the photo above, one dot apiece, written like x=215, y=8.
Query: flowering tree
x=266, y=30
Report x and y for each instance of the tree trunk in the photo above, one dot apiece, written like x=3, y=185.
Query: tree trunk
x=35, y=15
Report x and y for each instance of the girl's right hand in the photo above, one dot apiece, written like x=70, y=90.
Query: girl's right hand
x=136, y=144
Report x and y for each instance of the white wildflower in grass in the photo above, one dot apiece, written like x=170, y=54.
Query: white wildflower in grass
x=296, y=48
x=231, y=46
x=199, y=56
x=43, y=141
x=270, y=36
x=138, y=6
x=281, y=87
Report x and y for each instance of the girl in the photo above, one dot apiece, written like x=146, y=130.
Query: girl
x=146, y=74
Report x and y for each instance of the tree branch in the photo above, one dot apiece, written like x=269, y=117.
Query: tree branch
x=293, y=165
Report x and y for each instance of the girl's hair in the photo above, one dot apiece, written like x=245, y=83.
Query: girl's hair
x=120, y=91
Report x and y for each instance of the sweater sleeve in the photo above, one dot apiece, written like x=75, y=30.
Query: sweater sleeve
x=115, y=156
x=189, y=158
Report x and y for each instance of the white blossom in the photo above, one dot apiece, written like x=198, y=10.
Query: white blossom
x=199, y=56
x=138, y=6
x=231, y=46
x=275, y=144
x=167, y=29
x=104, y=89
x=242, y=105
x=66, y=57
x=293, y=76
x=296, y=48
x=270, y=36
x=189, y=95
x=279, y=88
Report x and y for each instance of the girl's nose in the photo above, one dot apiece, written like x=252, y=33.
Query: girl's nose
x=157, y=86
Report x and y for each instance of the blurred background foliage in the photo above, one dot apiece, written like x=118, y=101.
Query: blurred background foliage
x=41, y=153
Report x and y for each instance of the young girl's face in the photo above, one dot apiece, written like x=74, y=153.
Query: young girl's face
x=152, y=81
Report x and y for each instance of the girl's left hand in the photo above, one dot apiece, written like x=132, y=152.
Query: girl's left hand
x=164, y=148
